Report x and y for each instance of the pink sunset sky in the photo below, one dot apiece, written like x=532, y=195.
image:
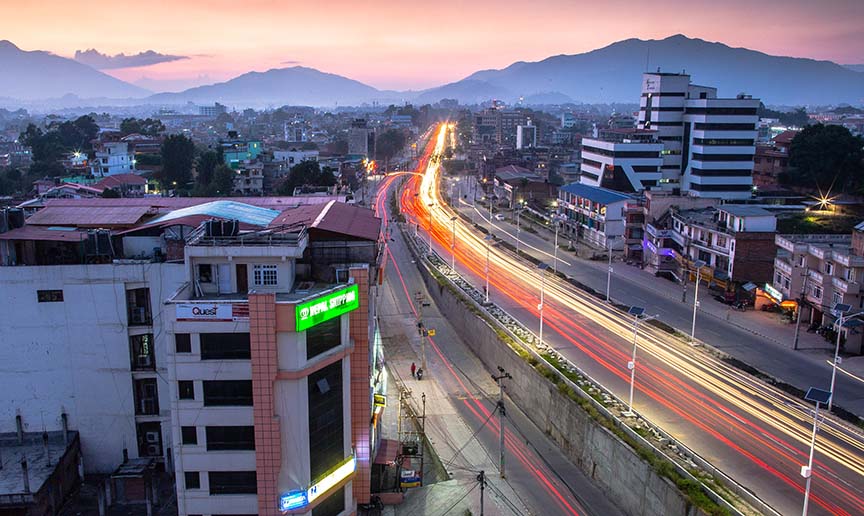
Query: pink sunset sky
x=412, y=44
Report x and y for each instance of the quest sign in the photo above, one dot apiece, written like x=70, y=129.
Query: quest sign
x=224, y=312
x=324, y=308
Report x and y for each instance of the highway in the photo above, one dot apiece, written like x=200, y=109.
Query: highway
x=542, y=478
x=756, y=434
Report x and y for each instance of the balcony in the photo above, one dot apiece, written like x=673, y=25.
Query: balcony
x=845, y=286
x=848, y=259
x=816, y=277
x=783, y=265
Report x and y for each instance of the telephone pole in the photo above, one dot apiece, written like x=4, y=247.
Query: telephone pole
x=501, y=414
x=482, y=479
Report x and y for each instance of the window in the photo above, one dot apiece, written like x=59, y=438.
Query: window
x=333, y=505
x=817, y=292
x=233, y=482
x=230, y=437
x=225, y=346
x=226, y=393
x=49, y=296
x=186, y=389
x=205, y=273
x=326, y=432
x=323, y=337
x=146, y=397
x=264, y=275
x=193, y=479
x=141, y=352
x=138, y=306
x=189, y=434
x=829, y=268
x=182, y=343
x=838, y=298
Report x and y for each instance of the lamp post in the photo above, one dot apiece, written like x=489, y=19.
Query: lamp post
x=637, y=312
x=488, y=238
x=518, y=229
x=841, y=310
x=817, y=396
x=800, y=305
x=453, y=246
x=501, y=413
x=557, y=221
x=542, y=267
x=698, y=264
x=609, y=268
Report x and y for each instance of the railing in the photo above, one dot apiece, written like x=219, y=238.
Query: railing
x=848, y=287
x=783, y=265
x=277, y=235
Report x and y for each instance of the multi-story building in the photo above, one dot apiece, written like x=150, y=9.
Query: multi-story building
x=526, y=136
x=236, y=153
x=626, y=160
x=148, y=369
x=212, y=111
x=249, y=179
x=772, y=160
x=735, y=241
x=594, y=215
x=112, y=158
x=709, y=142
x=292, y=157
x=497, y=126
x=359, y=135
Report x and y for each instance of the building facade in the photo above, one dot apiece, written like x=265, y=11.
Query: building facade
x=112, y=158
x=594, y=215
x=622, y=160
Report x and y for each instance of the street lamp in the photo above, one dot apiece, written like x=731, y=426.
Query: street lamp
x=840, y=310
x=637, y=312
x=453, y=245
x=817, y=396
x=557, y=221
x=519, y=205
x=488, y=238
x=698, y=264
x=542, y=267
x=609, y=268
x=501, y=413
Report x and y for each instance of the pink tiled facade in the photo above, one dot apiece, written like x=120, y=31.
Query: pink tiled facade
x=268, y=447
x=360, y=404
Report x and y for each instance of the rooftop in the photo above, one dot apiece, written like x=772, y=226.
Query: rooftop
x=744, y=210
x=228, y=210
x=595, y=193
x=38, y=464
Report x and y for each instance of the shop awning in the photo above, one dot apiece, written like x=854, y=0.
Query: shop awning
x=749, y=286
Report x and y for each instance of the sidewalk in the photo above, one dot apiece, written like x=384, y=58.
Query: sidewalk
x=762, y=340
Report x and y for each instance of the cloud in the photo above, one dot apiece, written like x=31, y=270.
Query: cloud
x=100, y=61
x=290, y=62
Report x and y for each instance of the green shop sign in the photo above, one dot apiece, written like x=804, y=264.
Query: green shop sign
x=327, y=307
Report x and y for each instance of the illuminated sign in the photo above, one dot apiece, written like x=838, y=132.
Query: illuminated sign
x=773, y=293
x=327, y=307
x=298, y=499
x=379, y=400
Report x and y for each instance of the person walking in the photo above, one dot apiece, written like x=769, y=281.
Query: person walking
x=413, y=370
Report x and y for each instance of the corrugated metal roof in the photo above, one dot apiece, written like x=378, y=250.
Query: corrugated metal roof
x=228, y=210
x=92, y=216
x=333, y=217
x=55, y=234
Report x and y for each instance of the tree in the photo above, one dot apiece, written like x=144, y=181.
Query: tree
x=178, y=154
x=44, y=146
x=306, y=173
x=110, y=193
x=796, y=118
x=205, y=166
x=388, y=144
x=827, y=157
x=223, y=181
x=147, y=126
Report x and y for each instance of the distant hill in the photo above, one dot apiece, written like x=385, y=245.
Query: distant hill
x=613, y=74
x=296, y=85
x=41, y=75
x=855, y=67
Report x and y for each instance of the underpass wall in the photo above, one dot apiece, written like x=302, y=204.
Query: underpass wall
x=623, y=476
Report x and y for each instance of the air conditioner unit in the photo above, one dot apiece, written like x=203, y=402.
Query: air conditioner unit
x=153, y=450
x=152, y=437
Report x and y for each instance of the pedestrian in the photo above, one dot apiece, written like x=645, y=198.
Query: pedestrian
x=413, y=370
x=420, y=374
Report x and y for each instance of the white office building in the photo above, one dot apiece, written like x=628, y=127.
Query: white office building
x=625, y=160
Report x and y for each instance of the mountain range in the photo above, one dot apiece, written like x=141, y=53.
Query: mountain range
x=606, y=75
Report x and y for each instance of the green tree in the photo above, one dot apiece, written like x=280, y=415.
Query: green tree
x=795, y=118
x=827, y=157
x=44, y=146
x=388, y=144
x=205, y=166
x=110, y=193
x=306, y=173
x=147, y=126
x=223, y=181
x=178, y=154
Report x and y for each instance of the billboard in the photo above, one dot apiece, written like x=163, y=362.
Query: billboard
x=326, y=307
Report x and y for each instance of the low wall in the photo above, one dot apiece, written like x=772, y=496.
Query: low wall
x=626, y=479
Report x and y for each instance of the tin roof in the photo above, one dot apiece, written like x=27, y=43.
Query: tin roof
x=54, y=234
x=594, y=193
x=93, y=216
x=228, y=210
x=333, y=217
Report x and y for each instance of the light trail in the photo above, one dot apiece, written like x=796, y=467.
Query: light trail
x=751, y=420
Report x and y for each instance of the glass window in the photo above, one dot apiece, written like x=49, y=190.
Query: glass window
x=189, y=434
x=323, y=337
x=193, y=479
x=182, y=343
x=265, y=275
x=233, y=482
x=205, y=273
x=230, y=437
x=226, y=393
x=333, y=505
x=326, y=433
x=225, y=346
x=186, y=389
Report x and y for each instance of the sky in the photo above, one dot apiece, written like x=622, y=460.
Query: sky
x=410, y=44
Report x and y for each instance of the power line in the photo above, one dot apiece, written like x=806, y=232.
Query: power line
x=459, y=500
x=459, y=451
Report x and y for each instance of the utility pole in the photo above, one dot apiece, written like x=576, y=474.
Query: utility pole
x=609, y=269
x=800, y=306
x=501, y=414
x=423, y=439
x=482, y=479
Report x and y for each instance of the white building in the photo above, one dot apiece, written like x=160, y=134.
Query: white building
x=526, y=136
x=293, y=157
x=709, y=142
x=113, y=158
x=627, y=160
x=594, y=215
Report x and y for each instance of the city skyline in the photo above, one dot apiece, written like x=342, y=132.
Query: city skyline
x=399, y=47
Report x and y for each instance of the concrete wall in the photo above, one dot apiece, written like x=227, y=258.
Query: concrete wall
x=617, y=470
